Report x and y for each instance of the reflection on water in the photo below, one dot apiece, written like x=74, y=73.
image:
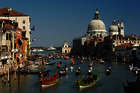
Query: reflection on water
x=106, y=84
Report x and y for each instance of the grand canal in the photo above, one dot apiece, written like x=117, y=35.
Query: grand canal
x=106, y=84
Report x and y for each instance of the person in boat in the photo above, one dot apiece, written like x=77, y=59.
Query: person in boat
x=78, y=71
x=72, y=62
x=71, y=68
x=81, y=62
x=138, y=72
x=66, y=68
x=78, y=68
x=90, y=68
x=62, y=71
x=89, y=72
x=108, y=71
x=58, y=65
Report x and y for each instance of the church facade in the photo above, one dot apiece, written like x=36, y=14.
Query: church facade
x=97, y=43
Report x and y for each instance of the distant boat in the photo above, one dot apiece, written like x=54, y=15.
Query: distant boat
x=50, y=63
x=37, y=50
x=51, y=48
x=40, y=50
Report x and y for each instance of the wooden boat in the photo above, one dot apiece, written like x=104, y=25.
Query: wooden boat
x=49, y=81
x=87, y=82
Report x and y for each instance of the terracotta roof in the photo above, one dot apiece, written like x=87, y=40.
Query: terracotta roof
x=126, y=45
x=4, y=12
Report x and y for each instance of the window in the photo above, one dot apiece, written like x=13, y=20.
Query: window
x=23, y=27
x=23, y=34
x=23, y=22
x=7, y=36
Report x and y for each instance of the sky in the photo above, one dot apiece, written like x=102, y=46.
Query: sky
x=57, y=21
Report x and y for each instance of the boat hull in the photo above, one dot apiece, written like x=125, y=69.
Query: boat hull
x=49, y=85
x=87, y=86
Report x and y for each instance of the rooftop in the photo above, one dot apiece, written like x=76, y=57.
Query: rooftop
x=10, y=12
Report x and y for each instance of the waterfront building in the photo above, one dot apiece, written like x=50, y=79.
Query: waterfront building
x=11, y=37
x=121, y=46
x=7, y=39
x=66, y=49
x=22, y=19
x=21, y=46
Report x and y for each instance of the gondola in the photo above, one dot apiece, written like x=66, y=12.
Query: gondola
x=77, y=72
x=87, y=82
x=48, y=81
x=62, y=72
x=108, y=71
x=50, y=63
x=132, y=87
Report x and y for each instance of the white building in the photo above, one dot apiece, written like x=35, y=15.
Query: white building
x=96, y=28
x=22, y=19
x=66, y=49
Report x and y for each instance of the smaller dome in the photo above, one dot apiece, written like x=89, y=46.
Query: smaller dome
x=113, y=28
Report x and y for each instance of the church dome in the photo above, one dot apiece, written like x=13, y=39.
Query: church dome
x=97, y=25
x=113, y=28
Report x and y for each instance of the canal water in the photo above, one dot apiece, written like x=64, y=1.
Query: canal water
x=106, y=84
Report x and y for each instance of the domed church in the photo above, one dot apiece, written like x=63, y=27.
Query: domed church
x=96, y=28
x=113, y=29
x=117, y=28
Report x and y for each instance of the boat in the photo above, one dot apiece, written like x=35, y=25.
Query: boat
x=66, y=57
x=44, y=73
x=34, y=66
x=87, y=82
x=102, y=61
x=49, y=81
x=23, y=71
x=62, y=72
x=50, y=63
x=51, y=48
x=90, y=64
x=90, y=72
x=37, y=50
x=132, y=87
x=77, y=72
x=58, y=65
x=72, y=61
x=131, y=67
x=108, y=71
